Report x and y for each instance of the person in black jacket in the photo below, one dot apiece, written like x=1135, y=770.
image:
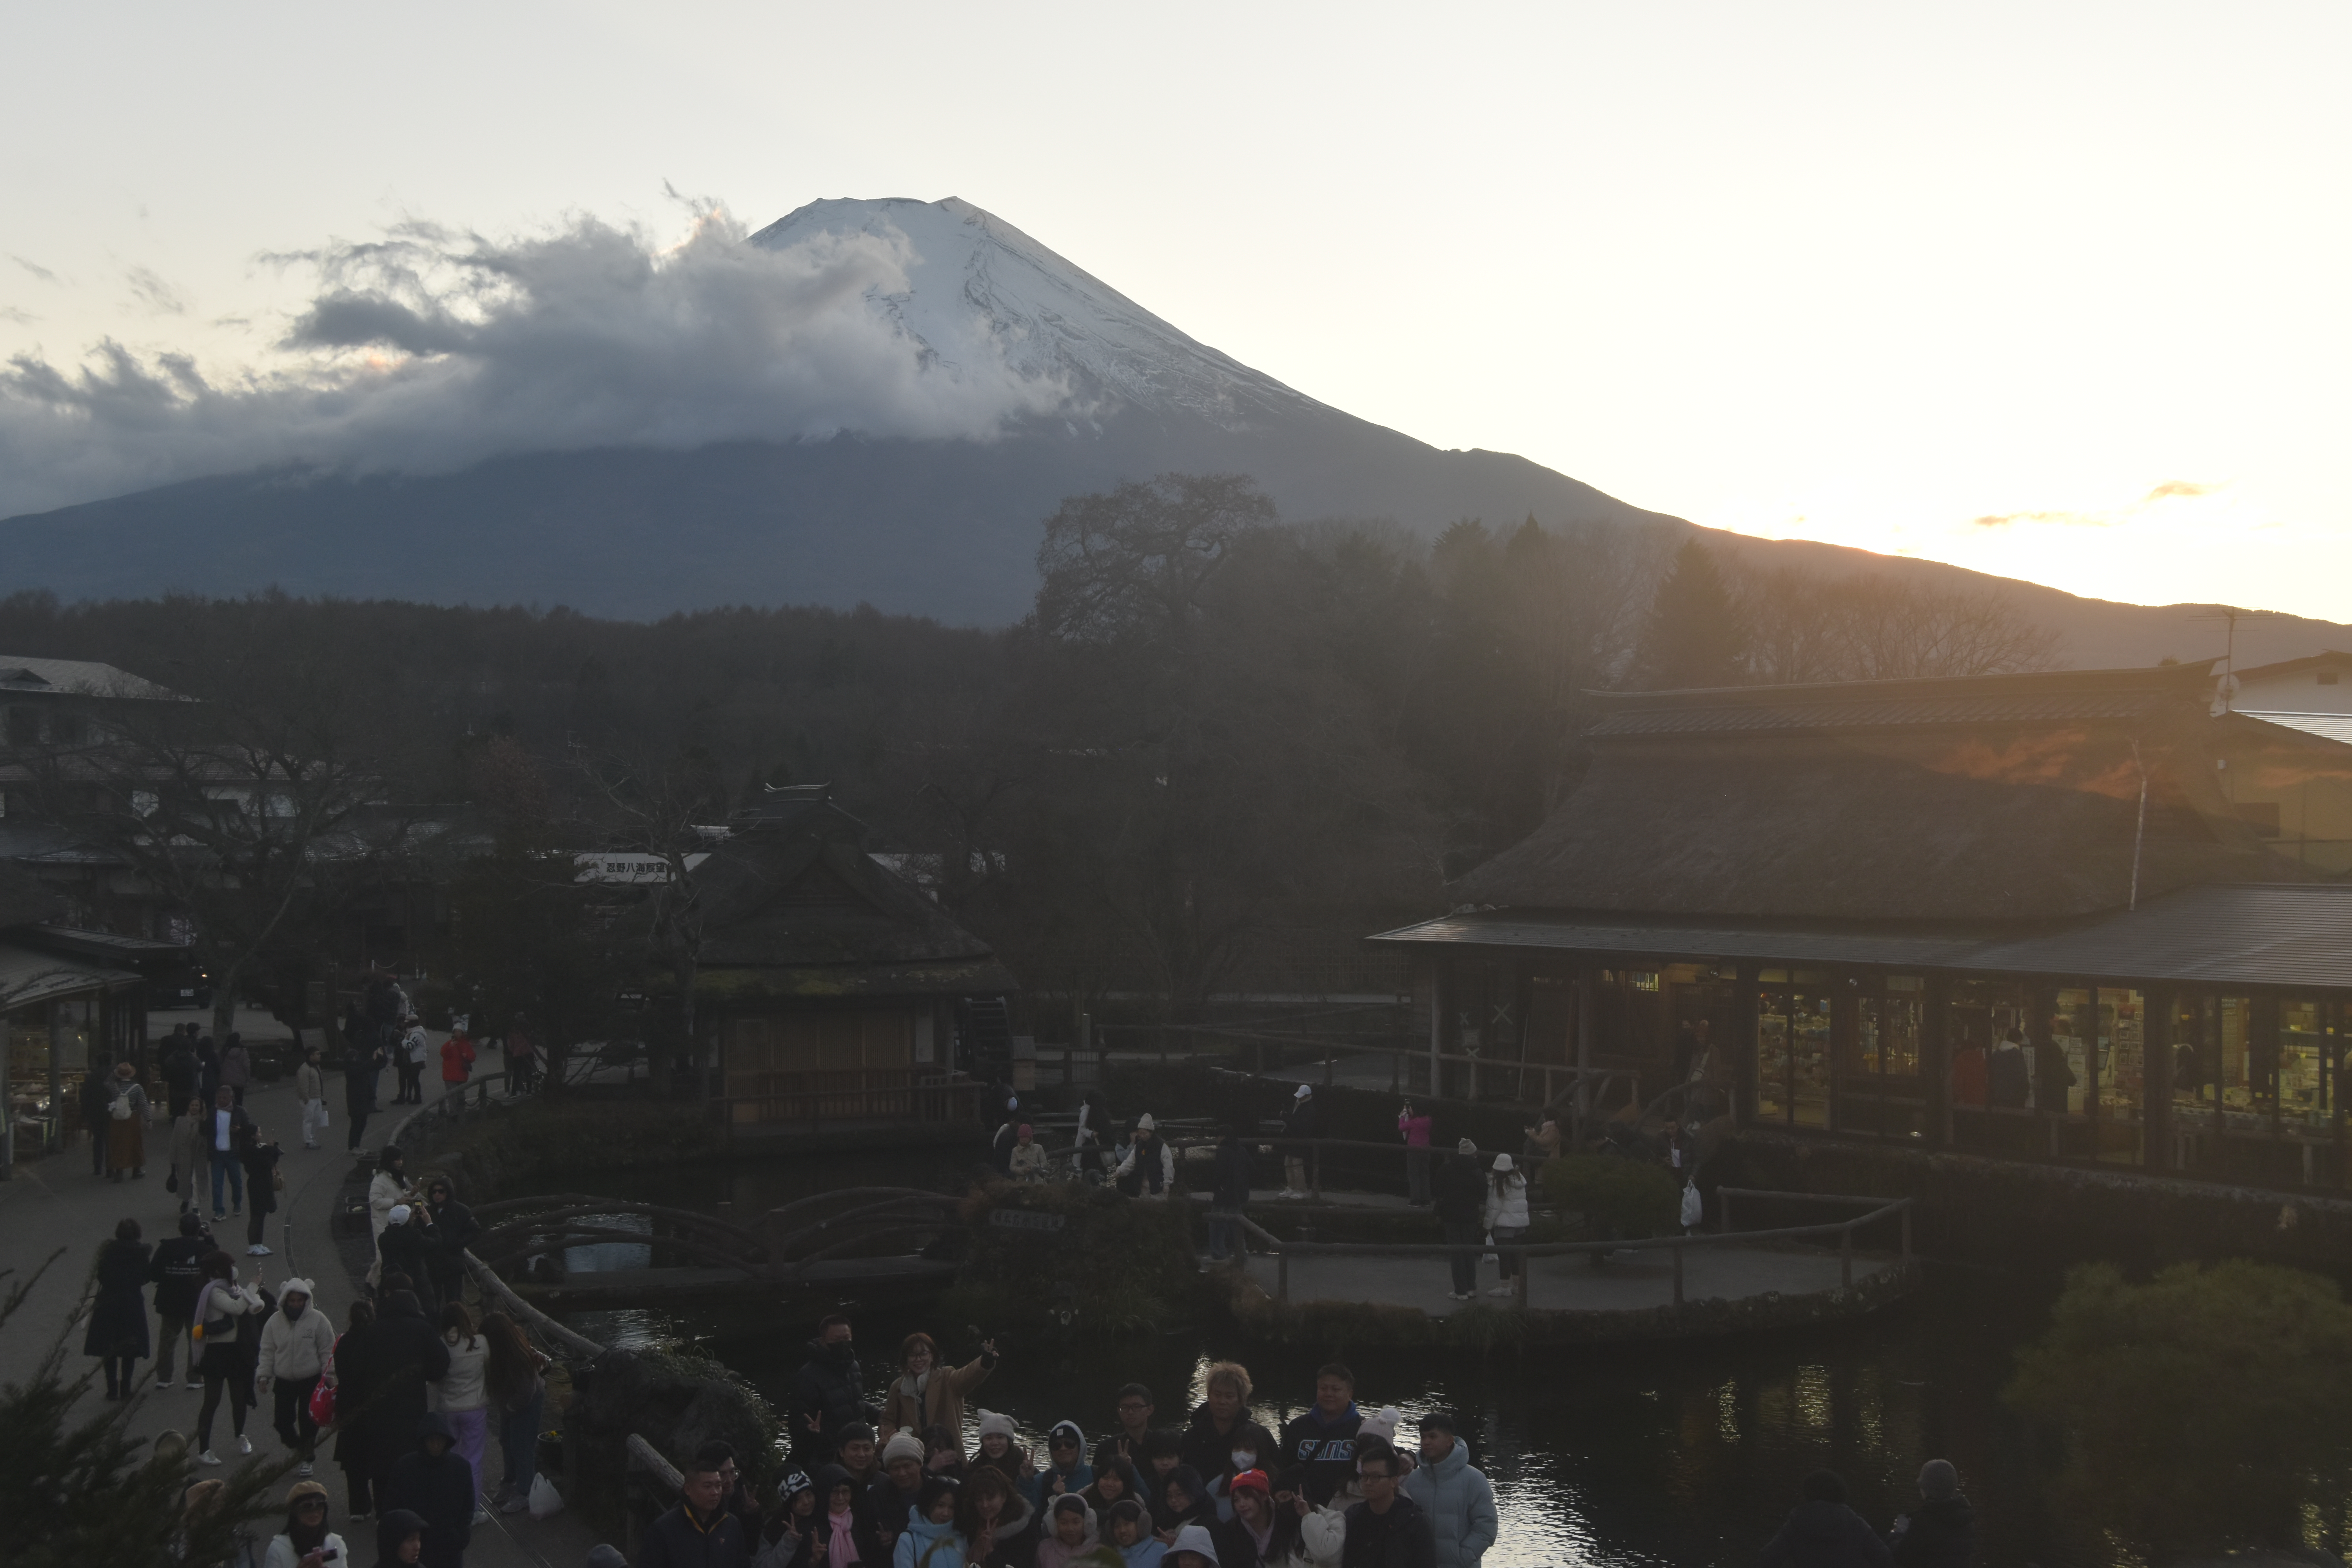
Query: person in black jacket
x=399, y=1539
x=698, y=1532
x=1823, y=1533
x=1941, y=1532
x=437, y=1484
x=827, y=1393
x=1228, y=1196
x=1461, y=1195
x=363, y=1060
x=454, y=1230
x=406, y=1247
x=97, y=1104
x=177, y=1059
x=380, y=1371
x=1320, y=1441
x=177, y=1272
x=117, y=1319
x=1388, y=1529
x=837, y=1500
x=1221, y=1441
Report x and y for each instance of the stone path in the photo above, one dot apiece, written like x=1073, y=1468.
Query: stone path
x=56, y=1204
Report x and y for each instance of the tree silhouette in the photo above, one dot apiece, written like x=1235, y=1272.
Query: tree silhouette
x=1696, y=635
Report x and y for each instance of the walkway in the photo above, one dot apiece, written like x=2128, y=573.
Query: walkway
x=57, y=1202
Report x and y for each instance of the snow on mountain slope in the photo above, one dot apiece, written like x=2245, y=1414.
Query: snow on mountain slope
x=981, y=289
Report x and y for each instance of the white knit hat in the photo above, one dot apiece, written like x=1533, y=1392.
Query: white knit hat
x=903, y=1446
x=1382, y=1424
x=1144, y=1123
x=1503, y=1162
x=294, y=1287
x=992, y=1424
x=1301, y=1092
x=399, y=1215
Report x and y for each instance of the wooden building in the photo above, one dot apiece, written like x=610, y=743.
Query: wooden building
x=1830, y=906
x=840, y=994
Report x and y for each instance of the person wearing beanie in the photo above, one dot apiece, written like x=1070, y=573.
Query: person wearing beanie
x=1065, y=1470
x=295, y=1344
x=400, y=1539
x=1505, y=1214
x=1460, y=1193
x=306, y=1530
x=1300, y=1119
x=998, y=1450
x=783, y=1539
x=890, y=1499
x=1941, y=1532
x=1072, y=1536
x=930, y=1539
x=927, y=1392
x=1458, y=1500
x=1822, y=1529
x=1150, y=1167
x=1259, y=1535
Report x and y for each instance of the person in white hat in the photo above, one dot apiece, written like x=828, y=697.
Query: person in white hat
x=1149, y=1168
x=1300, y=1119
x=1507, y=1216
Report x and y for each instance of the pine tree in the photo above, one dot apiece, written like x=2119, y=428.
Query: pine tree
x=1695, y=636
x=79, y=1493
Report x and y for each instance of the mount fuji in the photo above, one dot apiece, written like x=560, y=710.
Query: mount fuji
x=1094, y=388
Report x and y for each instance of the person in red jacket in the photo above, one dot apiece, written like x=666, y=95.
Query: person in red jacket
x=456, y=1062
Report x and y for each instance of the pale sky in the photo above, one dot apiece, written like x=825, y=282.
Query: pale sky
x=2056, y=291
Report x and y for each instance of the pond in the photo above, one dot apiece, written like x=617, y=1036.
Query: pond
x=1682, y=1455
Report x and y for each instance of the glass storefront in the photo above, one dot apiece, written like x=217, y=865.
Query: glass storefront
x=1793, y=1031
x=2302, y=1065
x=2122, y=1039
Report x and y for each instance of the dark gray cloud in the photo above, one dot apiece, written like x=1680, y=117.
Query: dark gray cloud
x=429, y=349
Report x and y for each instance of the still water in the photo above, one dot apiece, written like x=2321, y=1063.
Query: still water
x=1663, y=1454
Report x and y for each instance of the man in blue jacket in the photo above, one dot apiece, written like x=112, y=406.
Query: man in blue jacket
x=1320, y=1441
x=1457, y=1499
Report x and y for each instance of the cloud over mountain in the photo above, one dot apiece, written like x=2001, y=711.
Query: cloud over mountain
x=429, y=350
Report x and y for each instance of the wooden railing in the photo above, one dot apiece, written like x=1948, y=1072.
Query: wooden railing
x=1879, y=1209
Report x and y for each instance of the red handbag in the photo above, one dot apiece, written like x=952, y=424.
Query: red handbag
x=322, y=1396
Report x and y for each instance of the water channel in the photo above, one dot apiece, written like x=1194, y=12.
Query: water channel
x=1675, y=1455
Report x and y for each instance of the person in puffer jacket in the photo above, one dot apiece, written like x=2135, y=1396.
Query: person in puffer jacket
x=929, y=1540
x=1457, y=1499
x=1823, y=1533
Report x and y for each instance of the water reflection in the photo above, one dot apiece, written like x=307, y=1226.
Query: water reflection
x=1674, y=1455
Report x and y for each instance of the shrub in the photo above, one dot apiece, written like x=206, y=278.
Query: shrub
x=2205, y=1409
x=1619, y=1198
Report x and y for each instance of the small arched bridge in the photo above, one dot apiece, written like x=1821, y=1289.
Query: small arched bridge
x=854, y=1239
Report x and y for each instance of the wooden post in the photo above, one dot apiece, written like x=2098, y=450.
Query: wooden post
x=1678, y=1277
x=1520, y=1295
x=1845, y=1257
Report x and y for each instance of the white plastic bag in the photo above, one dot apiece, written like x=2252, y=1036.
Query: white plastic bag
x=1493, y=1257
x=1694, y=1207
x=546, y=1502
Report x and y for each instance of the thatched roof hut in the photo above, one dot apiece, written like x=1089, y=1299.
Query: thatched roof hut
x=1982, y=798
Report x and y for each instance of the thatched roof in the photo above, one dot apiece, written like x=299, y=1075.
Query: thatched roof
x=2008, y=797
x=791, y=887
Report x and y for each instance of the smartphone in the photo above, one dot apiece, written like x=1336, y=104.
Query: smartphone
x=329, y=1555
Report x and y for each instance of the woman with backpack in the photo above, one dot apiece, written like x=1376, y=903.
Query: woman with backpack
x=126, y=1124
x=1506, y=1218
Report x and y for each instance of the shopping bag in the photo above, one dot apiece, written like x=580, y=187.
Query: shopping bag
x=1491, y=1257
x=546, y=1502
x=1694, y=1208
x=322, y=1405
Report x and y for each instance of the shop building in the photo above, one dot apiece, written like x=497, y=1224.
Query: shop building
x=1826, y=909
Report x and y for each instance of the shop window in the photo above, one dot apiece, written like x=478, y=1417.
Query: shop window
x=2193, y=1075
x=1887, y=1038
x=2301, y=1064
x=1792, y=1057
x=2074, y=1031
x=2247, y=1077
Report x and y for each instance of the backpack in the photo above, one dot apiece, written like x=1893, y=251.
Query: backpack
x=121, y=1107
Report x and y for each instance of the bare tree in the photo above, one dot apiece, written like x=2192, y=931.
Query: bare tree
x=250, y=808
x=1804, y=627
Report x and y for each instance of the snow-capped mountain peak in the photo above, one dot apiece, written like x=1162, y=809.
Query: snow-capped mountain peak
x=979, y=290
